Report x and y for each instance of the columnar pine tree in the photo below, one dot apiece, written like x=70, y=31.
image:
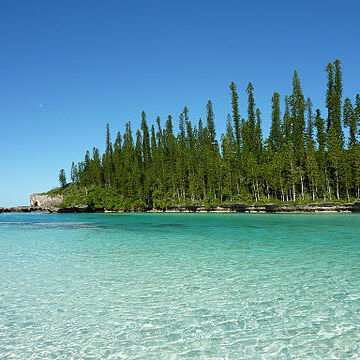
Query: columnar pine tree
x=329, y=95
x=275, y=138
x=107, y=159
x=73, y=174
x=297, y=104
x=336, y=101
x=350, y=121
x=357, y=112
x=236, y=116
x=210, y=121
x=250, y=126
x=335, y=155
x=309, y=125
x=321, y=155
x=62, y=178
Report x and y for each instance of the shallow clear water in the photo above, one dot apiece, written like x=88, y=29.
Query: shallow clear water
x=173, y=286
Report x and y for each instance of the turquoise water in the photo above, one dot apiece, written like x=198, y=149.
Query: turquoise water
x=174, y=286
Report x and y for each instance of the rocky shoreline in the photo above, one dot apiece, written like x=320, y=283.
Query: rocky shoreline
x=328, y=207
x=239, y=208
x=18, y=209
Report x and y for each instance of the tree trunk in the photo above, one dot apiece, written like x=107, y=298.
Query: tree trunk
x=257, y=190
x=293, y=182
x=254, y=191
x=302, y=186
x=328, y=187
x=294, y=192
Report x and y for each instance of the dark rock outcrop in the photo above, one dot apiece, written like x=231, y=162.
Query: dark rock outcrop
x=266, y=208
x=17, y=209
x=356, y=206
x=73, y=209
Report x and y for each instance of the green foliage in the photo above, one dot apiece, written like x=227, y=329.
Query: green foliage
x=160, y=170
x=275, y=138
x=62, y=178
x=297, y=105
x=350, y=121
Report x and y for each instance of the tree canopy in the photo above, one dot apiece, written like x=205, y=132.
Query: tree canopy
x=305, y=156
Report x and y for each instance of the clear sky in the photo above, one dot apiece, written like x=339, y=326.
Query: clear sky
x=69, y=67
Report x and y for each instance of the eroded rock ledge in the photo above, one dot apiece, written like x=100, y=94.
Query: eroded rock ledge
x=45, y=201
x=38, y=202
x=50, y=205
x=267, y=208
x=17, y=209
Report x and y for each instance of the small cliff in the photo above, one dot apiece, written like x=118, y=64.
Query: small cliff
x=44, y=201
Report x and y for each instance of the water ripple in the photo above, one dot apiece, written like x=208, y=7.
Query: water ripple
x=178, y=286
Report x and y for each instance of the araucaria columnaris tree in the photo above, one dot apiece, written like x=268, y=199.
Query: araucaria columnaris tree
x=62, y=178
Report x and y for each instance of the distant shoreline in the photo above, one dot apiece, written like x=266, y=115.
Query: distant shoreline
x=326, y=207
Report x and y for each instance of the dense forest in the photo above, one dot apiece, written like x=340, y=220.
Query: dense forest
x=306, y=157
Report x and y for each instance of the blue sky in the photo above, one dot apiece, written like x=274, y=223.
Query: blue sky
x=69, y=67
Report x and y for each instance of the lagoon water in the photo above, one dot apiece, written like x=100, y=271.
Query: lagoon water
x=174, y=286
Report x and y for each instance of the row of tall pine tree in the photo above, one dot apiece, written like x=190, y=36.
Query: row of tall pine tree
x=306, y=156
